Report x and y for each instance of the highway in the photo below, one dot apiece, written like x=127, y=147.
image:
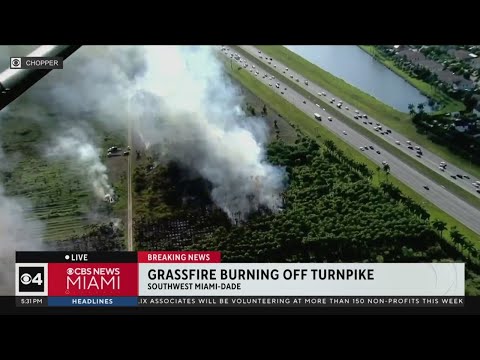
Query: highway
x=428, y=158
x=448, y=202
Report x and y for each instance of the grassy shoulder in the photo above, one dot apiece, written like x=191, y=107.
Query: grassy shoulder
x=392, y=118
x=450, y=105
x=393, y=149
x=310, y=127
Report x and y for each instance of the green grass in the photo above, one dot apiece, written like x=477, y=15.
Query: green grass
x=394, y=119
x=470, y=198
x=313, y=129
x=448, y=103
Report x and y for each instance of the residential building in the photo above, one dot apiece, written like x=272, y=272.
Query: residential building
x=459, y=54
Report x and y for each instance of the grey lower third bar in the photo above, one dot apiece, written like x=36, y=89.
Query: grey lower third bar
x=39, y=63
x=302, y=301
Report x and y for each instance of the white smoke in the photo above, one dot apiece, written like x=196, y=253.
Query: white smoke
x=18, y=231
x=84, y=157
x=179, y=99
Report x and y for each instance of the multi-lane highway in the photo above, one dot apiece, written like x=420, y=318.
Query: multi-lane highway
x=445, y=200
x=427, y=158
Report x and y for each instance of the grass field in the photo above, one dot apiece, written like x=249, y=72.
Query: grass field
x=472, y=199
x=312, y=128
x=448, y=104
x=392, y=118
x=58, y=195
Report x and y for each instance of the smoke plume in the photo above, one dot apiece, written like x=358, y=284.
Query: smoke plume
x=178, y=99
x=74, y=146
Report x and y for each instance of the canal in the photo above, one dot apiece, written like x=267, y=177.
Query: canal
x=361, y=70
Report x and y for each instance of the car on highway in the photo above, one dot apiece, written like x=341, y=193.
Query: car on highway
x=344, y=132
x=478, y=191
x=347, y=108
x=259, y=52
x=333, y=100
x=275, y=66
x=388, y=131
x=466, y=177
x=365, y=116
x=365, y=123
x=317, y=116
x=397, y=142
x=476, y=185
x=261, y=57
x=306, y=82
x=270, y=84
x=417, y=147
x=323, y=109
x=355, y=117
x=441, y=168
x=460, y=176
x=371, y=147
x=366, y=147
x=361, y=148
x=282, y=92
x=418, y=155
x=291, y=76
x=453, y=176
x=426, y=187
x=286, y=69
x=277, y=85
x=408, y=142
x=378, y=151
x=297, y=80
x=370, y=123
x=324, y=93
x=304, y=102
x=357, y=112
x=317, y=105
x=410, y=147
x=384, y=162
x=478, y=182
x=329, y=118
x=375, y=128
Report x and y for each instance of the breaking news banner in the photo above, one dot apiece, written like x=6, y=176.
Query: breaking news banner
x=199, y=279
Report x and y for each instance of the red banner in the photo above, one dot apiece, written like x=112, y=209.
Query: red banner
x=179, y=257
x=93, y=279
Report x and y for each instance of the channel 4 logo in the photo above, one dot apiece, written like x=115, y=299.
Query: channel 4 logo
x=31, y=279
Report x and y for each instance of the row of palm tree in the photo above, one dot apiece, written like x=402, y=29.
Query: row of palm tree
x=460, y=241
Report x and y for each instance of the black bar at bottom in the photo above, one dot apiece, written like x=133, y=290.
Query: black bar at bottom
x=301, y=301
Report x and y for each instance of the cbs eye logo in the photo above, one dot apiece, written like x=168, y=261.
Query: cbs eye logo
x=15, y=63
x=31, y=279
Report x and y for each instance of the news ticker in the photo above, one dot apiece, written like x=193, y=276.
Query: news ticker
x=38, y=63
x=196, y=278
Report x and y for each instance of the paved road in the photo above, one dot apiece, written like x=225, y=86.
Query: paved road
x=439, y=196
x=428, y=158
x=129, y=180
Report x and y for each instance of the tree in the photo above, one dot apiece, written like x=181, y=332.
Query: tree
x=420, y=107
x=386, y=168
x=440, y=226
x=264, y=110
x=457, y=238
x=411, y=107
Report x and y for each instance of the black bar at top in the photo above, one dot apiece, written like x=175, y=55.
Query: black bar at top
x=76, y=257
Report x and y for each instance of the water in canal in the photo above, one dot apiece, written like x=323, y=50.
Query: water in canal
x=361, y=70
